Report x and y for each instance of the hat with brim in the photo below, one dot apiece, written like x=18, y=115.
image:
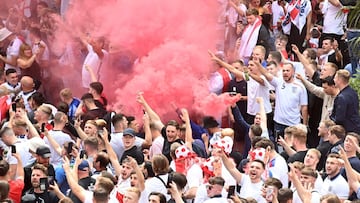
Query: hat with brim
x=129, y=131
x=43, y=151
x=4, y=33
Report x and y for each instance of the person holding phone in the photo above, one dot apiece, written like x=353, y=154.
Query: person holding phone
x=40, y=187
x=214, y=189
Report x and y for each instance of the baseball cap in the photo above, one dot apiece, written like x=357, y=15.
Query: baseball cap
x=35, y=142
x=129, y=131
x=83, y=165
x=43, y=151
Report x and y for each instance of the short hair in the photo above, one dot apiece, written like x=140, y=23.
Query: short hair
x=35, y=31
x=6, y=131
x=284, y=194
x=103, y=159
x=4, y=190
x=134, y=190
x=109, y=176
x=58, y=118
x=256, y=130
x=276, y=55
x=117, y=118
x=160, y=164
x=330, y=198
x=4, y=167
x=265, y=143
x=66, y=93
x=105, y=183
x=252, y=11
x=46, y=109
x=273, y=182
x=217, y=181
x=316, y=151
x=87, y=97
x=179, y=179
x=173, y=148
x=300, y=135
x=41, y=168
x=173, y=123
x=92, y=142
x=311, y=53
x=38, y=98
x=328, y=123
x=344, y=75
x=9, y=71
x=261, y=48
x=290, y=130
x=329, y=38
x=259, y=161
x=97, y=86
x=254, y=140
x=162, y=197
x=282, y=37
x=66, y=200
x=357, y=136
x=298, y=165
x=338, y=131
x=44, y=4
x=329, y=80
x=63, y=107
x=271, y=63
x=309, y=172
x=333, y=66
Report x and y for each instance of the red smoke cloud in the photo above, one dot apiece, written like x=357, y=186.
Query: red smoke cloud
x=171, y=39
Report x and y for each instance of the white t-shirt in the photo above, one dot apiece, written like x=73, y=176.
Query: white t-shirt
x=277, y=168
x=13, y=50
x=156, y=185
x=315, y=197
x=25, y=97
x=337, y=186
x=254, y=89
x=289, y=99
x=94, y=62
x=334, y=19
x=249, y=189
x=117, y=144
x=60, y=138
x=157, y=146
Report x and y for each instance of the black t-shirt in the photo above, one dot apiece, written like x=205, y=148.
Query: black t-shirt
x=324, y=149
x=298, y=156
x=84, y=183
x=135, y=153
x=44, y=197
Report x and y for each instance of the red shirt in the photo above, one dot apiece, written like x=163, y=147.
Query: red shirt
x=16, y=187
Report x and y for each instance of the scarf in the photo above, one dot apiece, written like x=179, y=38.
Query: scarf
x=297, y=13
x=249, y=39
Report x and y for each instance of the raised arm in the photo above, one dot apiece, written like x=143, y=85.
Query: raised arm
x=78, y=129
x=232, y=69
x=53, y=143
x=262, y=112
x=239, y=119
x=318, y=91
x=231, y=167
x=20, y=174
x=78, y=191
x=306, y=63
x=26, y=63
x=304, y=193
x=148, y=137
x=91, y=72
x=139, y=173
x=112, y=155
x=269, y=77
x=352, y=175
x=154, y=117
x=188, y=132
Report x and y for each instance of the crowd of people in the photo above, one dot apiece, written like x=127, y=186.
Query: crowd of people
x=292, y=136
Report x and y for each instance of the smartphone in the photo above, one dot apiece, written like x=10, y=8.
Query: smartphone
x=51, y=180
x=44, y=184
x=170, y=179
x=13, y=106
x=13, y=149
x=83, y=154
x=269, y=193
x=231, y=191
x=43, y=127
x=70, y=147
